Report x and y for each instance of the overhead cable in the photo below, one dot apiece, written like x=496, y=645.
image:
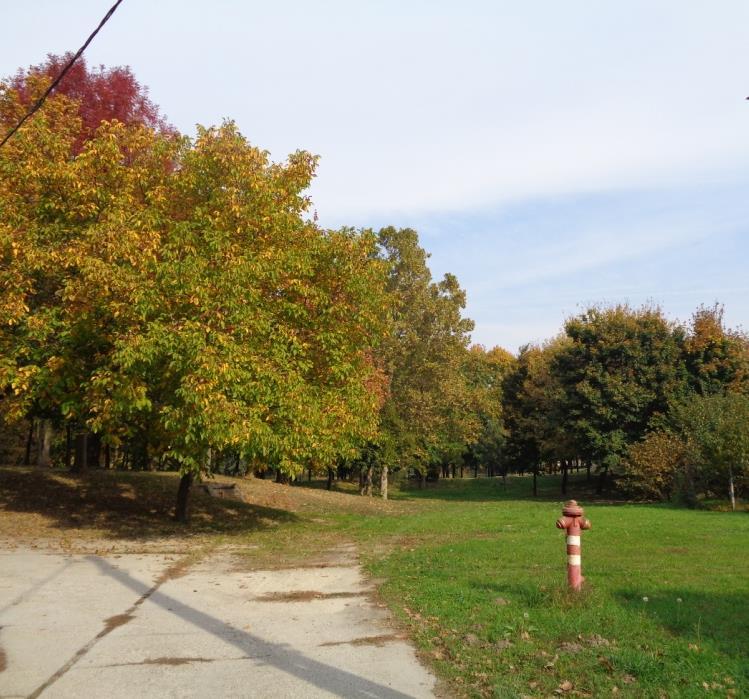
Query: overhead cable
x=57, y=80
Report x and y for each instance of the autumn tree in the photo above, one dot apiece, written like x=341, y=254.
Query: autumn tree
x=196, y=302
x=717, y=358
x=620, y=368
x=533, y=404
x=658, y=466
x=485, y=370
x=426, y=417
x=99, y=93
x=715, y=431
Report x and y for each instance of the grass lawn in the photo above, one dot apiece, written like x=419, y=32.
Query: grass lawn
x=475, y=569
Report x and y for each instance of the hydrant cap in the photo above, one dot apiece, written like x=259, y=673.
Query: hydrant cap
x=572, y=509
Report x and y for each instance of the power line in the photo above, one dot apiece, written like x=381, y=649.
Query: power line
x=56, y=81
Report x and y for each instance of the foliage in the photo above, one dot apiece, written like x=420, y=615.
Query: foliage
x=100, y=94
x=620, y=369
x=534, y=404
x=484, y=371
x=177, y=289
x=426, y=417
x=653, y=465
x=715, y=430
x=717, y=358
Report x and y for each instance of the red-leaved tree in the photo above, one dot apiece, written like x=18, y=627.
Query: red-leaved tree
x=103, y=94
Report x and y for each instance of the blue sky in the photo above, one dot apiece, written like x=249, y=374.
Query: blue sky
x=550, y=154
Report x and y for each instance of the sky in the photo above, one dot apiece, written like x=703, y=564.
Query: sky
x=551, y=155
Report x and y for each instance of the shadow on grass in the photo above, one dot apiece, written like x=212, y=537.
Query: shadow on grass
x=485, y=489
x=718, y=619
x=126, y=505
x=513, y=488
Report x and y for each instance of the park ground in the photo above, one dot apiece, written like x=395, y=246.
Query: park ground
x=472, y=572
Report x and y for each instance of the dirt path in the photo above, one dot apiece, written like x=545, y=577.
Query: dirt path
x=166, y=626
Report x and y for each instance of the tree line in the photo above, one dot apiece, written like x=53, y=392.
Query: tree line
x=172, y=303
x=660, y=407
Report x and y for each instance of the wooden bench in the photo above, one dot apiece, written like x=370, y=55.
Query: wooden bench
x=219, y=490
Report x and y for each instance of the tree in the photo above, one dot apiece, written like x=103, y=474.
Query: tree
x=716, y=358
x=177, y=287
x=534, y=411
x=715, y=430
x=83, y=100
x=620, y=369
x=425, y=417
x=658, y=465
x=100, y=94
x=485, y=371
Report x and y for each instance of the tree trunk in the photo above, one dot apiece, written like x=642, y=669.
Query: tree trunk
x=421, y=480
x=68, y=447
x=565, y=471
x=731, y=492
x=453, y=471
x=368, y=481
x=384, y=482
x=182, y=511
x=601, y=481
x=587, y=468
x=476, y=471
x=330, y=478
x=309, y=474
x=107, y=457
x=29, y=444
x=461, y=470
x=80, y=465
x=94, y=450
x=535, y=482
x=45, y=442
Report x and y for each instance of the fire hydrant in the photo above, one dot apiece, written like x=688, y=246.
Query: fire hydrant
x=574, y=522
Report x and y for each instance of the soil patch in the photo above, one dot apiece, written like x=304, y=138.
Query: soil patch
x=175, y=661
x=368, y=640
x=306, y=596
x=114, y=622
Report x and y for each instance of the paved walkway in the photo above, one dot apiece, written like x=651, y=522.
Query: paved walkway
x=153, y=626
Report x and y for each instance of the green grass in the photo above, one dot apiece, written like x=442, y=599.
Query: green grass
x=475, y=569
x=479, y=577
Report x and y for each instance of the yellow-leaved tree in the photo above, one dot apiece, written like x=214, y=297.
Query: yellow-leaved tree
x=177, y=293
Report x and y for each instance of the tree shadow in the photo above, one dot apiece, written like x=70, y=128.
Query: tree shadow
x=701, y=617
x=126, y=505
x=720, y=619
x=515, y=487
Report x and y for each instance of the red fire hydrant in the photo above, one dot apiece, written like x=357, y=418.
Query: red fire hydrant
x=574, y=522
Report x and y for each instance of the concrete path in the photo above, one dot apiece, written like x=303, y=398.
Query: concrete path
x=155, y=626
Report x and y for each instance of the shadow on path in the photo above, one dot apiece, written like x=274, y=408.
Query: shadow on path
x=37, y=586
